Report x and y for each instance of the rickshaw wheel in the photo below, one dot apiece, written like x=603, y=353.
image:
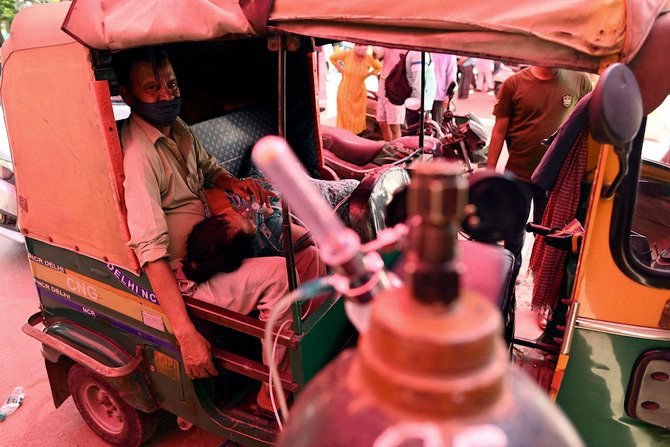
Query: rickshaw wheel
x=108, y=415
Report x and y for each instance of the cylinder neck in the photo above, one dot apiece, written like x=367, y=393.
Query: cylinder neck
x=435, y=202
x=432, y=348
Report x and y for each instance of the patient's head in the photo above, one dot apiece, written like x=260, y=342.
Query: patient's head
x=216, y=244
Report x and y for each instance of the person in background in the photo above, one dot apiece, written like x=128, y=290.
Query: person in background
x=389, y=116
x=466, y=65
x=446, y=72
x=530, y=106
x=484, y=75
x=413, y=70
x=355, y=66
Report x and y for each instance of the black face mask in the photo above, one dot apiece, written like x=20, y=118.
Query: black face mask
x=161, y=113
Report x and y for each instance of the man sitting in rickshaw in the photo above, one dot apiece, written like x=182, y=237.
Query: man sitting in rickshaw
x=165, y=168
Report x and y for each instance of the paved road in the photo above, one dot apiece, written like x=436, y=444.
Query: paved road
x=37, y=422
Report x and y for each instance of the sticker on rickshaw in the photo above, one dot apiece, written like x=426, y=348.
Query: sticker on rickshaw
x=132, y=285
x=153, y=320
x=46, y=263
x=166, y=365
x=53, y=289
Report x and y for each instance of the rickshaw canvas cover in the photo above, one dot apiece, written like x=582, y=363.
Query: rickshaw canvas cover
x=573, y=33
x=118, y=24
x=64, y=142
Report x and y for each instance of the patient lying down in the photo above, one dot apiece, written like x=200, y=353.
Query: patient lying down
x=235, y=232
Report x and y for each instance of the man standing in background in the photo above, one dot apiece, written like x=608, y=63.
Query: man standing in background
x=413, y=69
x=466, y=65
x=484, y=75
x=530, y=106
x=446, y=71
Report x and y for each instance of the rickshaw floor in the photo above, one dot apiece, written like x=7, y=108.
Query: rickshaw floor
x=248, y=411
x=235, y=396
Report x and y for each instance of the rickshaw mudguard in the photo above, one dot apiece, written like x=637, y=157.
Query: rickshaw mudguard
x=66, y=343
x=598, y=378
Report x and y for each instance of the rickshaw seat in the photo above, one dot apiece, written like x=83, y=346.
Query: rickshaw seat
x=231, y=137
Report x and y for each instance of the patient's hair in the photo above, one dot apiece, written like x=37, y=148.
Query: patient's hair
x=213, y=246
x=122, y=61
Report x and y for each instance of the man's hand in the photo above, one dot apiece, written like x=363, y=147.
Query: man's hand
x=197, y=355
x=245, y=188
x=195, y=350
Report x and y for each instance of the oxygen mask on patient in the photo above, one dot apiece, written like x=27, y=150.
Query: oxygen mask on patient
x=249, y=209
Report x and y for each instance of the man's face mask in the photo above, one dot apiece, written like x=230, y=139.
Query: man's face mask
x=160, y=113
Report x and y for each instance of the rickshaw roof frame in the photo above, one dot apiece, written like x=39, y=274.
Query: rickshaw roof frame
x=577, y=34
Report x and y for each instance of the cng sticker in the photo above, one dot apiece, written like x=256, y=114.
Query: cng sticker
x=82, y=288
x=166, y=365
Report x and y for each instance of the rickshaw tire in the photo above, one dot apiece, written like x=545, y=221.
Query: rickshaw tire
x=111, y=417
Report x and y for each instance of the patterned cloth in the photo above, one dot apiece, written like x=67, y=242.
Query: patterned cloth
x=548, y=263
x=231, y=137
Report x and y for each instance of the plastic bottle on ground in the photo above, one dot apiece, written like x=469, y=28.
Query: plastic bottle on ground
x=12, y=403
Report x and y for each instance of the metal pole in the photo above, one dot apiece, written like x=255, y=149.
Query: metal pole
x=281, y=127
x=423, y=98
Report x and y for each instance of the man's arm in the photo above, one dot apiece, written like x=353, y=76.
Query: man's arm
x=337, y=58
x=498, y=135
x=195, y=350
x=225, y=180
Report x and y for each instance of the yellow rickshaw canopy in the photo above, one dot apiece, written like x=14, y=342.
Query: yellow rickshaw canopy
x=577, y=34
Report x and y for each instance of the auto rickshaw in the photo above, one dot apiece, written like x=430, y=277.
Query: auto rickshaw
x=98, y=310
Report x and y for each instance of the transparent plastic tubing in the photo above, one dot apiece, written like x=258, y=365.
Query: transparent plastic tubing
x=339, y=246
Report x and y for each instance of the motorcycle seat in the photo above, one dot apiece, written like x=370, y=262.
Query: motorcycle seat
x=430, y=144
x=488, y=271
x=349, y=147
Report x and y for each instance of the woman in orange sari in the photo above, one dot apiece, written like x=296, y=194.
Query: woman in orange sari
x=355, y=65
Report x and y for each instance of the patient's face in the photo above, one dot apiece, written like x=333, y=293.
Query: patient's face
x=220, y=206
x=237, y=221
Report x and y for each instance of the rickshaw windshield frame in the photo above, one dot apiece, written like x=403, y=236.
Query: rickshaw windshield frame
x=623, y=211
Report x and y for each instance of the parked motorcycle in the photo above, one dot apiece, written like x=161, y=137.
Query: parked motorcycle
x=461, y=137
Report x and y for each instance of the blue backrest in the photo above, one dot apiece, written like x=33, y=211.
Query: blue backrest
x=231, y=137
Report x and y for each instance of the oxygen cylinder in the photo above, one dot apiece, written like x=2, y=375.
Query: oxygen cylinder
x=432, y=370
